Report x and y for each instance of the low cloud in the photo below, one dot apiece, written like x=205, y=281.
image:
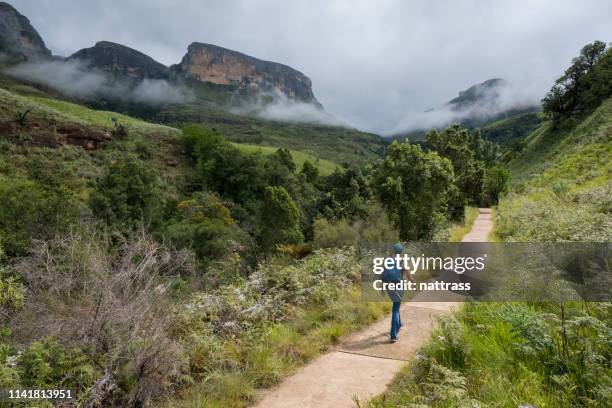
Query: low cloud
x=74, y=78
x=488, y=102
x=275, y=105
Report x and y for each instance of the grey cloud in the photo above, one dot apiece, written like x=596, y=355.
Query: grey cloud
x=75, y=79
x=491, y=102
x=275, y=105
x=372, y=62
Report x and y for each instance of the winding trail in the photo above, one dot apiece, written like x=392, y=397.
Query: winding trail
x=364, y=364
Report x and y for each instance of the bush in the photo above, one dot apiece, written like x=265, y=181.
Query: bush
x=33, y=211
x=129, y=194
x=369, y=232
x=86, y=302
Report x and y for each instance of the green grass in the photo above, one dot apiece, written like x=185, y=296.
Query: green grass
x=325, y=167
x=458, y=231
x=507, y=131
x=74, y=167
x=333, y=143
x=508, y=355
x=262, y=358
x=562, y=184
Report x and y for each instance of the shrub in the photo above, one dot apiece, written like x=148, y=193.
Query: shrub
x=111, y=306
x=128, y=194
x=33, y=211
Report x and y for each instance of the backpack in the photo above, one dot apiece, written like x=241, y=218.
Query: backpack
x=392, y=275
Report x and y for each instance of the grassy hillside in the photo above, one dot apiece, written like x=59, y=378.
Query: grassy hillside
x=562, y=188
x=325, y=167
x=333, y=143
x=155, y=144
x=337, y=144
x=506, y=132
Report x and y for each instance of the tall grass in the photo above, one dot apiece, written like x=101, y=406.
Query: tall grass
x=458, y=231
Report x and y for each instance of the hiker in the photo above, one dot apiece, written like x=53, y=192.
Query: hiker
x=395, y=275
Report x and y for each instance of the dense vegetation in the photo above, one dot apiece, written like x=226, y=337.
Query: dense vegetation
x=233, y=253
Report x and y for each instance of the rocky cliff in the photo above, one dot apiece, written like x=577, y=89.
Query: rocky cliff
x=19, y=41
x=120, y=60
x=210, y=63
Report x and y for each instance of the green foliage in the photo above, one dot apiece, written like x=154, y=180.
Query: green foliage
x=33, y=211
x=331, y=143
x=310, y=172
x=346, y=194
x=495, y=184
x=128, y=194
x=281, y=217
x=564, y=189
x=11, y=293
x=204, y=224
x=47, y=364
x=583, y=86
x=503, y=354
x=414, y=186
x=361, y=233
x=467, y=152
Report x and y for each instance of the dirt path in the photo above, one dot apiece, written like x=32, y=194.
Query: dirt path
x=364, y=364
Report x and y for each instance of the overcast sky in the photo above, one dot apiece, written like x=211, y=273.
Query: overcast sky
x=372, y=62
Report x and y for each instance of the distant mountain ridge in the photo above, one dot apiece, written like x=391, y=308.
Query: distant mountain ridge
x=120, y=60
x=243, y=75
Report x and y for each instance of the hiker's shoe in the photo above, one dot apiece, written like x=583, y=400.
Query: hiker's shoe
x=394, y=339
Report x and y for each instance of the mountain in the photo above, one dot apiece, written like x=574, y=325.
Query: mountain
x=120, y=60
x=218, y=65
x=478, y=106
x=212, y=86
x=19, y=41
x=477, y=95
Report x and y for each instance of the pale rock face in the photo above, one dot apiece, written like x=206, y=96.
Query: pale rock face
x=210, y=63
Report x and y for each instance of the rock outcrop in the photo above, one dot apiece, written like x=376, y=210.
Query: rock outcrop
x=210, y=63
x=119, y=60
x=19, y=41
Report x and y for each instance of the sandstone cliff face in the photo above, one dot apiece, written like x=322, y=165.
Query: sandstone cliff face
x=120, y=60
x=19, y=41
x=210, y=63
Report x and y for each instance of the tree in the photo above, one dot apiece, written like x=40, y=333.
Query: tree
x=280, y=168
x=582, y=87
x=457, y=145
x=311, y=172
x=205, y=224
x=280, y=218
x=346, y=194
x=414, y=187
x=128, y=194
x=496, y=183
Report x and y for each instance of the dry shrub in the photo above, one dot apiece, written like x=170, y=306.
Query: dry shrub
x=112, y=301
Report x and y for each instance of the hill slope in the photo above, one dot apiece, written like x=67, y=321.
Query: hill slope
x=562, y=188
